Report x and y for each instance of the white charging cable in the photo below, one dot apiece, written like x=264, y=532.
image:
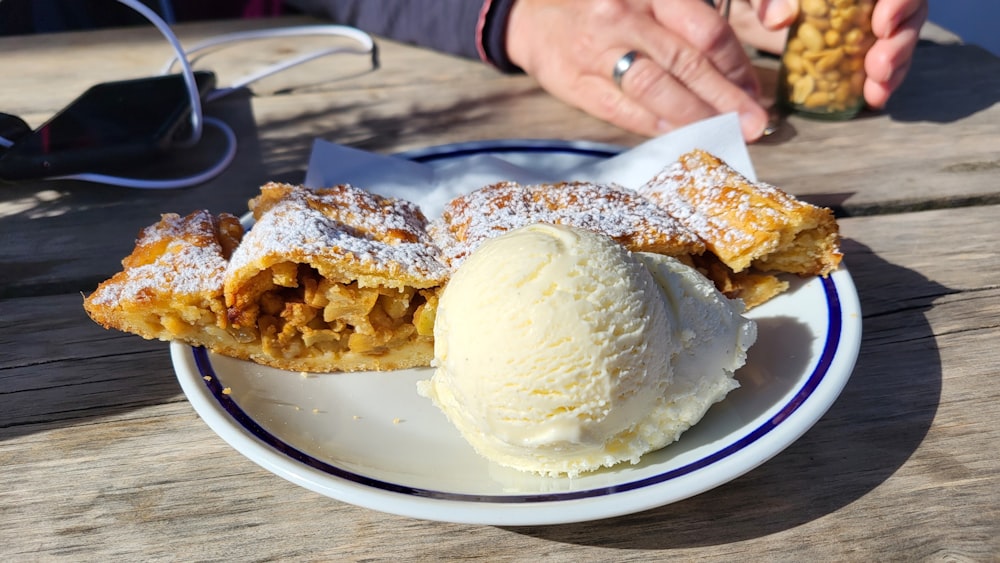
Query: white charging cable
x=366, y=47
x=194, y=96
x=198, y=120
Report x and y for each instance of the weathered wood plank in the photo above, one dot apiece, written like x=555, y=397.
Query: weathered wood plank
x=933, y=147
x=901, y=466
x=101, y=456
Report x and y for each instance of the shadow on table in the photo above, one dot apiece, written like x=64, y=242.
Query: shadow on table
x=97, y=373
x=945, y=83
x=942, y=87
x=105, y=219
x=110, y=216
x=876, y=424
x=61, y=368
x=378, y=130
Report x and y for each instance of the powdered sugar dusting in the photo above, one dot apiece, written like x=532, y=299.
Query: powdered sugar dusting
x=177, y=256
x=375, y=232
x=711, y=199
x=608, y=209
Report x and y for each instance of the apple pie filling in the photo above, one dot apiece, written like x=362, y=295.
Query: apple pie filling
x=300, y=314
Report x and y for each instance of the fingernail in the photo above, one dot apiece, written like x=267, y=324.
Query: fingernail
x=752, y=125
x=664, y=126
x=779, y=13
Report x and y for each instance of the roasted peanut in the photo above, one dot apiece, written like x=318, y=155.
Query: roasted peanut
x=802, y=89
x=816, y=99
x=850, y=16
x=810, y=67
x=816, y=8
x=843, y=94
x=831, y=37
x=821, y=24
x=793, y=62
x=830, y=60
x=811, y=37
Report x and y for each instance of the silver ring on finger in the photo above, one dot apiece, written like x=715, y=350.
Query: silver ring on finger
x=622, y=66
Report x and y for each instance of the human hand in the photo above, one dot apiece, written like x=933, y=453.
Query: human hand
x=690, y=65
x=895, y=23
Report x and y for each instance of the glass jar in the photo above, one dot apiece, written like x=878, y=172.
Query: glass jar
x=823, y=66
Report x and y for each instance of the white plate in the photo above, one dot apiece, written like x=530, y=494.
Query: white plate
x=370, y=440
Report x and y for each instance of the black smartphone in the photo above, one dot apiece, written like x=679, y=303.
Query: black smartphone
x=111, y=125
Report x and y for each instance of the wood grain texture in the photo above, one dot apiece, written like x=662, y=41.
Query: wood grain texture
x=102, y=457
x=933, y=147
x=417, y=98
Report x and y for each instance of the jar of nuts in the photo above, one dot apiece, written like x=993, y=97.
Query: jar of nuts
x=823, y=66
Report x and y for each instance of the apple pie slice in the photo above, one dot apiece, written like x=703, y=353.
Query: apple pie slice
x=621, y=214
x=171, y=285
x=751, y=229
x=335, y=279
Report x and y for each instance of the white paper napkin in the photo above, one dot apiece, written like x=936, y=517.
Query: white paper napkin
x=435, y=183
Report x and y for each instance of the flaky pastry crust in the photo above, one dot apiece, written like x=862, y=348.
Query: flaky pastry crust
x=335, y=279
x=617, y=212
x=746, y=223
x=341, y=279
x=751, y=229
x=171, y=285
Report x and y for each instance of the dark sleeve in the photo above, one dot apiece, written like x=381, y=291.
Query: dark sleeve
x=493, y=35
x=468, y=28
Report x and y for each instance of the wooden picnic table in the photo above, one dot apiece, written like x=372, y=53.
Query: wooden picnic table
x=103, y=458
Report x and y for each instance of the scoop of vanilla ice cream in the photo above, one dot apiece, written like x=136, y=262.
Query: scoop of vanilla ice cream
x=714, y=337
x=556, y=350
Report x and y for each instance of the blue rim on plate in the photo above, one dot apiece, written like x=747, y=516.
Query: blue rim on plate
x=754, y=444
x=833, y=338
x=584, y=149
